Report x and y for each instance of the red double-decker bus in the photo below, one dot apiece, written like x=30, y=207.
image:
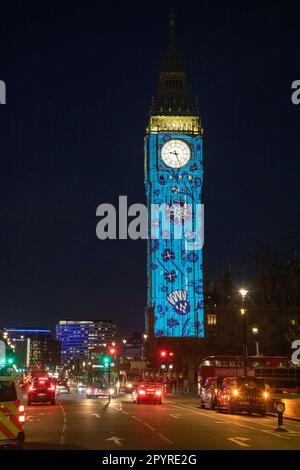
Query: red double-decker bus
x=277, y=371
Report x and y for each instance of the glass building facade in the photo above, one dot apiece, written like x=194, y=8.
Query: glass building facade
x=77, y=337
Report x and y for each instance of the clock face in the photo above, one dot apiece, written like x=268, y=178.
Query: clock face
x=175, y=153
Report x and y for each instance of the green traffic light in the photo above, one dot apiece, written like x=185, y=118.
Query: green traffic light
x=10, y=361
x=106, y=359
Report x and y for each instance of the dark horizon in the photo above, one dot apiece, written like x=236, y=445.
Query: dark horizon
x=79, y=86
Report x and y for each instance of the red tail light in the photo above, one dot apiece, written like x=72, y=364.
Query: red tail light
x=142, y=392
x=32, y=388
x=52, y=387
x=21, y=408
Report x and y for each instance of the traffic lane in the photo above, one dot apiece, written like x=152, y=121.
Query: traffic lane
x=189, y=428
x=181, y=427
x=255, y=432
x=270, y=421
x=95, y=424
x=44, y=427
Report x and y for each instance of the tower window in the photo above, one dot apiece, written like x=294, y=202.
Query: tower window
x=211, y=319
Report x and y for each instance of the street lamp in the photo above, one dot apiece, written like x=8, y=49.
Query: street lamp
x=255, y=333
x=243, y=293
x=143, y=345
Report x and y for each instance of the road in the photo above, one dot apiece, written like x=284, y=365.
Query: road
x=178, y=424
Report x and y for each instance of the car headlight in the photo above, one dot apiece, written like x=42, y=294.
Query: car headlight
x=235, y=392
x=266, y=395
x=129, y=385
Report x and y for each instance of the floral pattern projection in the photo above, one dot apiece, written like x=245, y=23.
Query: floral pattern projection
x=175, y=281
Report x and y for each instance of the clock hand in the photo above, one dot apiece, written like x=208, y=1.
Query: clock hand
x=176, y=155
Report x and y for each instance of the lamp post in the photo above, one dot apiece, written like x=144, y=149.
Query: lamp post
x=255, y=333
x=124, y=350
x=143, y=345
x=243, y=293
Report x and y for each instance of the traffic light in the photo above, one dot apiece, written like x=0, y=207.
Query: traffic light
x=105, y=361
x=164, y=353
x=112, y=351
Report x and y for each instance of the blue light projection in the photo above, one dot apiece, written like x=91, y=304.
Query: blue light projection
x=175, y=280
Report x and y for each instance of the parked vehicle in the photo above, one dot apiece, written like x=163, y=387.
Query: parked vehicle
x=209, y=392
x=242, y=394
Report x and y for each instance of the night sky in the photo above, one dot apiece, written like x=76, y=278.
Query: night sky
x=79, y=86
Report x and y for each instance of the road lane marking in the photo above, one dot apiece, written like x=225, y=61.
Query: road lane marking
x=116, y=440
x=222, y=422
x=234, y=421
x=137, y=419
x=62, y=437
x=165, y=438
x=175, y=416
x=240, y=441
x=96, y=415
x=148, y=426
x=260, y=423
x=145, y=424
x=274, y=434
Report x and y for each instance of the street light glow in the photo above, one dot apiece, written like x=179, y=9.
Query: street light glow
x=243, y=292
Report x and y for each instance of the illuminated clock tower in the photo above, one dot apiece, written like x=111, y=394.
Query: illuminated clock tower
x=173, y=181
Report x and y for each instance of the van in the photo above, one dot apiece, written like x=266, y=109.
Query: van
x=12, y=414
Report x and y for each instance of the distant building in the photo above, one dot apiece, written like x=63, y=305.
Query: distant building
x=34, y=347
x=134, y=348
x=77, y=337
x=272, y=315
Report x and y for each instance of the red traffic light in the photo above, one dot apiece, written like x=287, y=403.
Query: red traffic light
x=171, y=354
x=112, y=350
x=163, y=353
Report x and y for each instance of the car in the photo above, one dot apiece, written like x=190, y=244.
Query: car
x=42, y=390
x=98, y=390
x=146, y=393
x=238, y=394
x=209, y=392
x=81, y=387
x=12, y=414
x=63, y=386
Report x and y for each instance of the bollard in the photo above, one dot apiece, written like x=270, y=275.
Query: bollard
x=280, y=408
